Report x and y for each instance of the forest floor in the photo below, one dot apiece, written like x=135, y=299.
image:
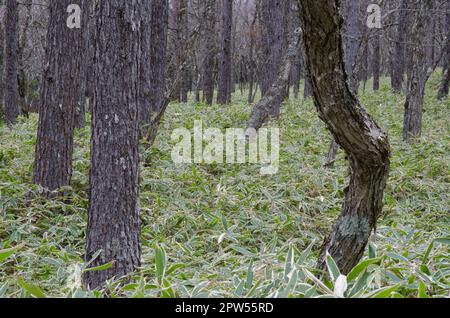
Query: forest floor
x=225, y=230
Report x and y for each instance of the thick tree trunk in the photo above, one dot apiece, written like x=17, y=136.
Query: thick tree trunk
x=58, y=101
x=398, y=62
x=444, y=87
x=417, y=79
x=225, y=75
x=113, y=223
x=366, y=145
x=210, y=58
x=11, y=89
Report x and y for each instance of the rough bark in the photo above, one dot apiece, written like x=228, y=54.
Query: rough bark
x=417, y=79
x=210, y=58
x=80, y=113
x=225, y=75
x=366, y=145
x=274, y=20
x=376, y=60
x=352, y=42
x=113, y=222
x=158, y=64
x=444, y=87
x=263, y=110
x=398, y=61
x=11, y=89
x=58, y=100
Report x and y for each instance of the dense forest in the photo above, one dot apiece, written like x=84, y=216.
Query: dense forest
x=224, y=148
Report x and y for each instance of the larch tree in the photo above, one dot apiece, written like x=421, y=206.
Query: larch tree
x=59, y=96
x=399, y=54
x=211, y=52
x=11, y=38
x=444, y=87
x=113, y=217
x=366, y=145
x=225, y=69
x=158, y=100
x=420, y=71
x=274, y=27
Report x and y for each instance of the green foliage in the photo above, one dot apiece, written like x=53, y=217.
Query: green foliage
x=227, y=231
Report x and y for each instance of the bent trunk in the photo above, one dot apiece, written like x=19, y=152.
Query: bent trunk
x=366, y=145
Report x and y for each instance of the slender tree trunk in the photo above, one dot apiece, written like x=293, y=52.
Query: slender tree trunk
x=376, y=60
x=2, y=60
x=264, y=108
x=224, y=90
x=352, y=43
x=113, y=223
x=417, y=79
x=274, y=19
x=158, y=65
x=444, y=87
x=80, y=113
x=11, y=89
x=365, y=143
x=209, y=64
x=398, y=62
x=22, y=76
x=59, y=98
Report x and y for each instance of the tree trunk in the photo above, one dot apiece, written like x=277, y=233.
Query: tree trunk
x=352, y=42
x=398, y=62
x=417, y=79
x=113, y=223
x=158, y=64
x=264, y=108
x=11, y=92
x=58, y=101
x=209, y=64
x=225, y=76
x=274, y=20
x=2, y=60
x=80, y=113
x=444, y=87
x=366, y=145
x=376, y=60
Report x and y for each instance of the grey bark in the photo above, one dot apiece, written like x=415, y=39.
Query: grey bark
x=210, y=58
x=398, y=61
x=444, y=87
x=366, y=145
x=225, y=69
x=419, y=75
x=11, y=89
x=113, y=222
x=58, y=100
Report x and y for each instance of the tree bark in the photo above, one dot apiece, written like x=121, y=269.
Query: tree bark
x=274, y=20
x=264, y=108
x=11, y=89
x=225, y=76
x=366, y=145
x=58, y=100
x=398, y=62
x=210, y=58
x=444, y=87
x=80, y=113
x=376, y=60
x=113, y=223
x=417, y=79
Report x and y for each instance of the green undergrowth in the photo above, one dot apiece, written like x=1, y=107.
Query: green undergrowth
x=226, y=230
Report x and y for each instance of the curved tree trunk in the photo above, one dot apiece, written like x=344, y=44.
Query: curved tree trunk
x=11, y=87
x=364, y=142
x=58, y=101
x=113, y=223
